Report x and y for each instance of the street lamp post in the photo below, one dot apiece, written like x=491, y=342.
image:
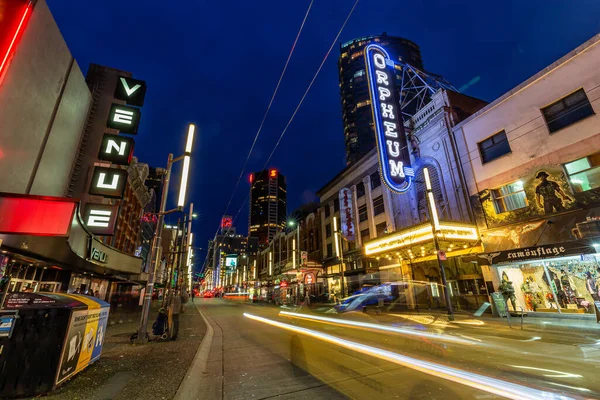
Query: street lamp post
x=435, y=222
x=339, y=251
x=296, y=259
x=142, y=334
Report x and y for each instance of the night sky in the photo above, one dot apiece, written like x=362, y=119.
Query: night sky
x=216, y=63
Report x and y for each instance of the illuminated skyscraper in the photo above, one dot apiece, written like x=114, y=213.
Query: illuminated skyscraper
x=267, y=205
x=356, y=105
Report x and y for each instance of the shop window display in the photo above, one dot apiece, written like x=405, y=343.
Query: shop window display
x=569, y=283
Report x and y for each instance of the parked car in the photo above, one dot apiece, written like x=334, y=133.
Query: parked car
x=208, y=295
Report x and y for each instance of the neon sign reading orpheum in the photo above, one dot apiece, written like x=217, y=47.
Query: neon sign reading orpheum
x=394, y=160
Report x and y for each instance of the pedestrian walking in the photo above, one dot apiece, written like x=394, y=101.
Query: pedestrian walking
x=193, y=295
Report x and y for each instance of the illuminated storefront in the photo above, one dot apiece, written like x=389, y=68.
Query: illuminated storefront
x=562, y=277
x=407, y=261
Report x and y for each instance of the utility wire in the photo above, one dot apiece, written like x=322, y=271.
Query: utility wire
x=333, y=43
x=269, y=106
x=267, y=111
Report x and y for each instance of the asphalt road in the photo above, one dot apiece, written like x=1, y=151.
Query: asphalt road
x=318, y=355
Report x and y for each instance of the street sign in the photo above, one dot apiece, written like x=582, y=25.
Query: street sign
x=500, y=304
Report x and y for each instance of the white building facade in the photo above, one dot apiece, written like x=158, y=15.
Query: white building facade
x=532, y=162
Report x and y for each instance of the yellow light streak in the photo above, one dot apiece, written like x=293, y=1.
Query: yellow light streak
x=378, y=327
x=487, y=384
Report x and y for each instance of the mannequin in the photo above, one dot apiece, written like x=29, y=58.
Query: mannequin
x=590, y=284
x=508, y=291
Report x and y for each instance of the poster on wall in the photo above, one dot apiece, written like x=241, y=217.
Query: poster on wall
x=347, y=214
x=73, y=344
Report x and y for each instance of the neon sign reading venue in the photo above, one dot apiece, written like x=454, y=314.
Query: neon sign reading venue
x=394, y=160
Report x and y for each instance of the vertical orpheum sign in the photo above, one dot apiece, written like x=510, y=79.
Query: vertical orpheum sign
x=14, y=15
x=394, y=160
x=347, y=214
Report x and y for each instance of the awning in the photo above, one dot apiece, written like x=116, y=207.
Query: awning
x=79, y=251
x=416, y=244
x=556, y=250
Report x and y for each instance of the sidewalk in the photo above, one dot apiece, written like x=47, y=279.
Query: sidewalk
x=127, y=371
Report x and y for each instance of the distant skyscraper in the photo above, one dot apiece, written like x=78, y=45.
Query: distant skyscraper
x=267, y=205
x=356, y=105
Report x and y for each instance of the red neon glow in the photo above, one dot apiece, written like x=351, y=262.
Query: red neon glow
x=38, y=216
x=226, y=222
x=251, y=178
x=11, y=46
x=273, y=173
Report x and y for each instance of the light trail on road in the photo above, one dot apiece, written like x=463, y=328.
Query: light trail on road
x=378, y=327
x=491, y=385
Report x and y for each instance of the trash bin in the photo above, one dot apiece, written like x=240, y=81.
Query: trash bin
x=51, y=338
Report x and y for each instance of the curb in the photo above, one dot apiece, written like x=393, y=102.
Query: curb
x=203, y=379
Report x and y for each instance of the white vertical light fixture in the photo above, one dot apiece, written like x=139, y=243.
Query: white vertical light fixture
x=434, y=215
x=335, y=237
x=294, y=253
x=254, y=273
x=270, y=263
x=186, y=165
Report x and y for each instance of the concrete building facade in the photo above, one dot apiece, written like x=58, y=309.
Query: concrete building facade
x=532, y=163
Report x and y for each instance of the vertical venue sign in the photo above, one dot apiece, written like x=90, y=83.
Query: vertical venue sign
x=394, y=160
x=346, y=214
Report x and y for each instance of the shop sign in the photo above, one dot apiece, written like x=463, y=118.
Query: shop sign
x=347, y=214
x=98, y=255
x=116, y=149
x=500, y=304
x=132, y=91
x=309, y=278
x=539, y=252
x=303, y=256
x=101, y=219
x=108, y=182
x=394, y=160
x=123, y=118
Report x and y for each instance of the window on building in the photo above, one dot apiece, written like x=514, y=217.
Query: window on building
x=336, y=205
x=378, y=207
x=329, y=250
x=375, y=180
x=494, y=147
x=509, y=197
x=328, y=230
x=365, y=235
x=584, y=174
x=362, y=213
x=567, y=111
x=360, y=190
x=327, y=211
x=381, y=229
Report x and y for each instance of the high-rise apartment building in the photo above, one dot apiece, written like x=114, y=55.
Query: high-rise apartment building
x=267, y=205
x=356, y=104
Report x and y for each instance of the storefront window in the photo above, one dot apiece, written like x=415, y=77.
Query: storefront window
x=571, y=284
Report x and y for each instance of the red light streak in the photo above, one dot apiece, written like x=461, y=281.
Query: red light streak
x=12, y=43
